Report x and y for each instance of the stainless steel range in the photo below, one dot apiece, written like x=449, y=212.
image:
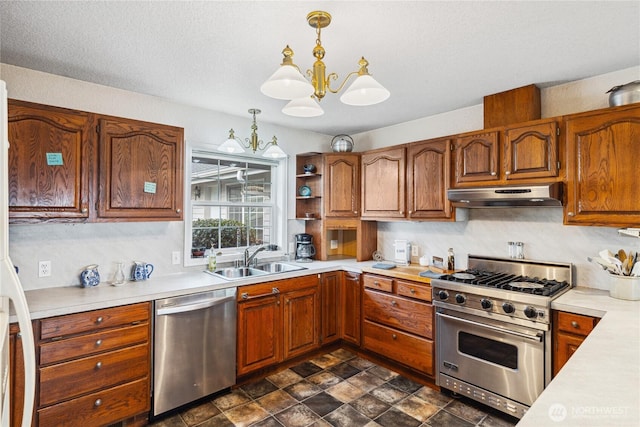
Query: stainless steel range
x=493, y=329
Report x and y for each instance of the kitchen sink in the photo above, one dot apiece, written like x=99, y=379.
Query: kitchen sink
x=232, y=273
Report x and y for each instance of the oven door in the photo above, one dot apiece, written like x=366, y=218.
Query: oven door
x=502, y=358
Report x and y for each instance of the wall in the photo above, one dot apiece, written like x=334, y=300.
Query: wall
x=71, y=247
x=488, y=230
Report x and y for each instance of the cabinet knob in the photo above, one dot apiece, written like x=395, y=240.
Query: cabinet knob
x=376, y=283
x=85, y=210
x=97, y=403
x=275, y=290
x=413, y=291
x=99, y=320
x=278, y=302
x=570, y=214
x=355, y=212
x=493, y=174
x=393, y=303
x=98, y=365
x=410, y=212
x=244, y=295
x=507, y=172
x=401, y=212
x=575, y=324
x=178, y=210
x=394, y=336
x=19, y=335
x=98, y=343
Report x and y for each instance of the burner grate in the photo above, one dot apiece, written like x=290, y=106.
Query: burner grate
x=509, y=282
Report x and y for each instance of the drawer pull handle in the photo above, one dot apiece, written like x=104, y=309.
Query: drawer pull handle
x=394, y=336
x=98, y=365
x=99, y=320
x=275, y=291
x=97, y=403
x=376, y=283
x=245, y=295
x=575, y=324
x=413, y=291
x=393, y=303
x=98, y=343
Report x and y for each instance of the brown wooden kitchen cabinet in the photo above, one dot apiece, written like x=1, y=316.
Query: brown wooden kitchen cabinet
x=330, y=287
x=569, y=331
x=51, y=156
x=428, y=178
x=526, y=152
x=94, y=365
x=350, y=308
x=309, y=187
x=16, y=375
x=342, y=184
x=384, y=183
x=398, y=321
x=276, y=321
x=55, y=175
x=602, y=167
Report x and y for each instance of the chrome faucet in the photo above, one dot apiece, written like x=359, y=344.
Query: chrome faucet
x=248, y=258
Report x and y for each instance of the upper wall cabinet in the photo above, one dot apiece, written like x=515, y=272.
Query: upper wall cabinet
x=428, y=179
x=383, y=183
x=527, y=151
x=50, y=160
x=140, y=170
x=63, y=169
x=602, y=167
x=342, y=181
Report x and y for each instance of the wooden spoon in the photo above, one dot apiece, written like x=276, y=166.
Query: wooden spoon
x=622, y=255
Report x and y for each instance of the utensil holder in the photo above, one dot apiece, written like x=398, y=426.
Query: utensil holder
x=624, y=287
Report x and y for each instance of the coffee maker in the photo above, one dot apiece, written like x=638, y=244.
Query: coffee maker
x=305, y=251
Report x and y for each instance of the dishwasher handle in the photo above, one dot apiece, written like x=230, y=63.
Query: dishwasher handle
x=194, y=306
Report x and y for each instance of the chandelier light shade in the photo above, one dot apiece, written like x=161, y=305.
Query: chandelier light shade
x=234, y=145
x=289, y=83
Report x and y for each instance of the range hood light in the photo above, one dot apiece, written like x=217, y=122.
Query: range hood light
x=540, y=195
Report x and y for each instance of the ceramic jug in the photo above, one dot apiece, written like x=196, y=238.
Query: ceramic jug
x=141, y=271
x=90, y=276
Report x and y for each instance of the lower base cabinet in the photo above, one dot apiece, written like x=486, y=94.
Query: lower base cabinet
x=350, y=308
x=569, y=331
x=277, y=321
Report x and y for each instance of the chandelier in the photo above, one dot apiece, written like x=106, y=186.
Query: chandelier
x=234, y=145
x=289, y=83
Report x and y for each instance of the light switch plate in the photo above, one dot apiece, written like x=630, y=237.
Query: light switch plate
x=415, y=249
x=175, y=257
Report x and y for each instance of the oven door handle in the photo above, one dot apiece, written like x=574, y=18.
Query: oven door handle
x=536, y=338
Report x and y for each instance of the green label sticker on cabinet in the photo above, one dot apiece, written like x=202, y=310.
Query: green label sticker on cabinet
x=150, y=187
x=54, y=159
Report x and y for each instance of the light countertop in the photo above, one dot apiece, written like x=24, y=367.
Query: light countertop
x=599, y=385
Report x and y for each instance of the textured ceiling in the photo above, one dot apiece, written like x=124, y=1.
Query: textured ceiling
x=433, y=56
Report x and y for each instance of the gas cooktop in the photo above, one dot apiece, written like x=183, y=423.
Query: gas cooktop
x=508, y=282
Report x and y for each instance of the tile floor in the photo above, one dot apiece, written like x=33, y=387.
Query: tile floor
x=336, y=389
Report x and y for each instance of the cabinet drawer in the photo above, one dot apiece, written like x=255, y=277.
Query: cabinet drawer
x=282, y=286
x=413, y=290
x=576, y=323
x=74, y=378
x=85, y=345
x=399, y=312
x=92, y=320
x=100, y=408
x=407, y=349
x=378, y=282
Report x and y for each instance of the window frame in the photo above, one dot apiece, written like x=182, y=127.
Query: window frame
x=278, y=196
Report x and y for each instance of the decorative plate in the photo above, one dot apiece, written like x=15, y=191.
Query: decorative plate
x=304, y=191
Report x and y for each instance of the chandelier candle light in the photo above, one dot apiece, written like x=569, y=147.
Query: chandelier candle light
x=289, y=83
x=234, y=145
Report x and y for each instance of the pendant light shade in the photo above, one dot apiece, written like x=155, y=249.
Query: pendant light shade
x=274, y=152
x=287, y=82
x=231, y=145
x=365, y=90
x=234, y=145
x=303, y=107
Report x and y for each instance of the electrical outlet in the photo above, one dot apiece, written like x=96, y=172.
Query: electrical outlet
x=44, y=268
x=415, y=249
x=175, y=257
x=334, y=244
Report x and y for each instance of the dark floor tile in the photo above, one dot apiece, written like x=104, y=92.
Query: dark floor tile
x=499, y=420
x=383, y=373
x=405, y=384
x=322, y=403
x=396, y=418
x=344, y=370
x=306, y=369
x=324, y=379
x=196, y=415
x=173, y=421
x=219, y=420
x=369, y=406
x=231, y=400
x=259, y=389
x=346, y=416
x=297, y=416
x=432, y=396
x=443, y=418
x=466, y=411
x=267, y=422
x=302, y=390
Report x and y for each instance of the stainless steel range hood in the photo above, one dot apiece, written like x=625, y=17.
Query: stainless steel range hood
x=545, y=195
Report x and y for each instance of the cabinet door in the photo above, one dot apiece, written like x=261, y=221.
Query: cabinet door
x=566, y=345
x=140, y=170
x=602, y=168
x=350, y=308
x=342, y=185
x=330, y=285
x=428, y=178
x=16, y=375
x=477, y=158
x=49, y=162
x=531, y=151
x=259, y=332
x=301, y=317
x=383, y=183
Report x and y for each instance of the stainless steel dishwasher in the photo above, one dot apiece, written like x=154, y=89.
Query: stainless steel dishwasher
x=194, y=347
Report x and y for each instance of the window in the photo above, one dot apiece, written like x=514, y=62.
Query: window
x=234, y=204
